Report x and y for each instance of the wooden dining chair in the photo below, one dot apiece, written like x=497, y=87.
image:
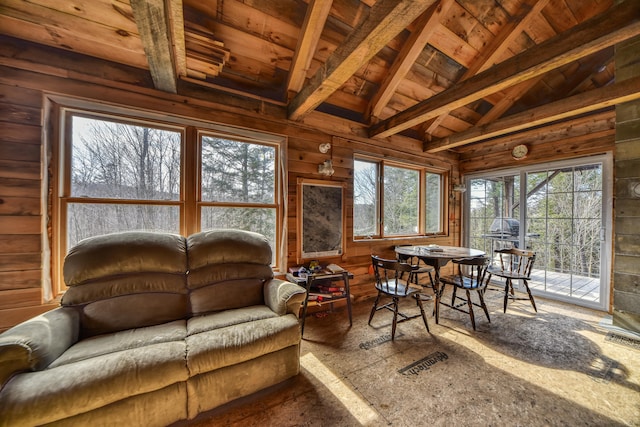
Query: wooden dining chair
x=470, y=274
x=514, y=264
x=422, y=268
x=389, y=283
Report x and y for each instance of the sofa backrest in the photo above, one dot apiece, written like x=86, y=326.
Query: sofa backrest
x=126, y=280
x=227, y=269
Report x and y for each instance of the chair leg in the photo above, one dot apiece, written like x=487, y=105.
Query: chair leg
x=373, y=309
x=437, y=304
x=533, y=303
x=507, y=286
x=482, y=303
x=453, y=296
x=395, y=318
x=424, y=316
x=470, y=304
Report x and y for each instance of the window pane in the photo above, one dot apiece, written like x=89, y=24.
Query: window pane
x=259, y=220
x=365, y=198
x=92, y=219
x=433, y=198
x=123, y=161
x=236, y=171
x=401, y=210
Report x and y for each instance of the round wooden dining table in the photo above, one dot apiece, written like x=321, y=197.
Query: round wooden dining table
x=438, y=256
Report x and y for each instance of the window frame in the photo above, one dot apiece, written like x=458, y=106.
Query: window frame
x=422, y=208
x=189, y=201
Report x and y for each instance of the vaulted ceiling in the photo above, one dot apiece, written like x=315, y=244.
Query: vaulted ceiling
x=447, y=73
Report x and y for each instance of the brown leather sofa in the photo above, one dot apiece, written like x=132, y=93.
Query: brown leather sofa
x=154, y=328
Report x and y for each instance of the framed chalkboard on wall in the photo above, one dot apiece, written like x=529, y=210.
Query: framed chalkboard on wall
x=321, y=223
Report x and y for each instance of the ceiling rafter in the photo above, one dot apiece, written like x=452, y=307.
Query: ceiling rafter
x=424, y=28
x=155, y=31
x=314, y=20
x=387, y=18
x=489, y=56
x=622, y=23
x=593, y=100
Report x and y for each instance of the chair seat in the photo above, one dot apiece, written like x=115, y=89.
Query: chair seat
x=464, y=283
x=514, y=275
x=397, y=289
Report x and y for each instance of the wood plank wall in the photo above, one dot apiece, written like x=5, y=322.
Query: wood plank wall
x=626, y=274
x=20, y=207
x=25, y=84
x=30, y=73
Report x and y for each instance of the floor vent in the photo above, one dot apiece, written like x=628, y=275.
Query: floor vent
x=621, y=339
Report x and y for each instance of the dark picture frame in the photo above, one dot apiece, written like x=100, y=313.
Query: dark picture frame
x=321, y=219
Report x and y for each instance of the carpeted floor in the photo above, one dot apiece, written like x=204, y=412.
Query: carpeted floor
x=564, y=366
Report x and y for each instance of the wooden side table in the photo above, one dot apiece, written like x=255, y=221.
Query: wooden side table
x=307, y=283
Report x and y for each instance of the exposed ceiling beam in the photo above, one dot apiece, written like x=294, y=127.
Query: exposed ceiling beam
x=620, y=23
x=490, y=55
x=175, y=13
x=154, y=27
x=424, y=28
x=575, y=126
x=314, y=20
x=625, y=91
x=387, y=18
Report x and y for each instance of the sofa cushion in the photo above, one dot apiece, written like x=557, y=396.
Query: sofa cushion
x=250, y=334
x=131, y=311
x=85, y=385
x=126, y=280
x=158, y=408
x=210, y=322
x=124, y=253
x=227, y=246
x=227, y=269
x=227, y=295
x=124, y=340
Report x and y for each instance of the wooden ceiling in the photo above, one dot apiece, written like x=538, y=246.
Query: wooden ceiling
x=447, y=73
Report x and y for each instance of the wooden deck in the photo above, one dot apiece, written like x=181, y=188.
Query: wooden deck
x=567, y=285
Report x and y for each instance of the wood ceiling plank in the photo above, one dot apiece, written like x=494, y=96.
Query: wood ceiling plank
x=72, y=27
x=251, y=46
x=65, y=40
x=625, y=91
x=386, y=19
x=317, y=13
x=153, y=25
x=247, y=19
x=490, y=13
x=620, y=23
x=110, y=13
x=469, y=27
x=407, y=56
x=449, y=43
x=497, y=48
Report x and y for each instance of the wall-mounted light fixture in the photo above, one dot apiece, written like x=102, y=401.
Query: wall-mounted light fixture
x=324, y=148
x=326, y=168
x=459, y=188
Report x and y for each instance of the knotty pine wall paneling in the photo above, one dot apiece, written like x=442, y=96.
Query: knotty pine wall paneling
x=20, y=210
x=27, y=82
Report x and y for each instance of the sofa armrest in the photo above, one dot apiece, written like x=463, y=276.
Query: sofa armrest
x=33, y=344
x=284, y=297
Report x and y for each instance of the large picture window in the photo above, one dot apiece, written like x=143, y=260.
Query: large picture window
x=121, y=173
x=238, y=185
x=122, y=176
x=392, y=199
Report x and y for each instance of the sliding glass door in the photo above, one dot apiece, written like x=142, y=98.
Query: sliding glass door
x=562, y=211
